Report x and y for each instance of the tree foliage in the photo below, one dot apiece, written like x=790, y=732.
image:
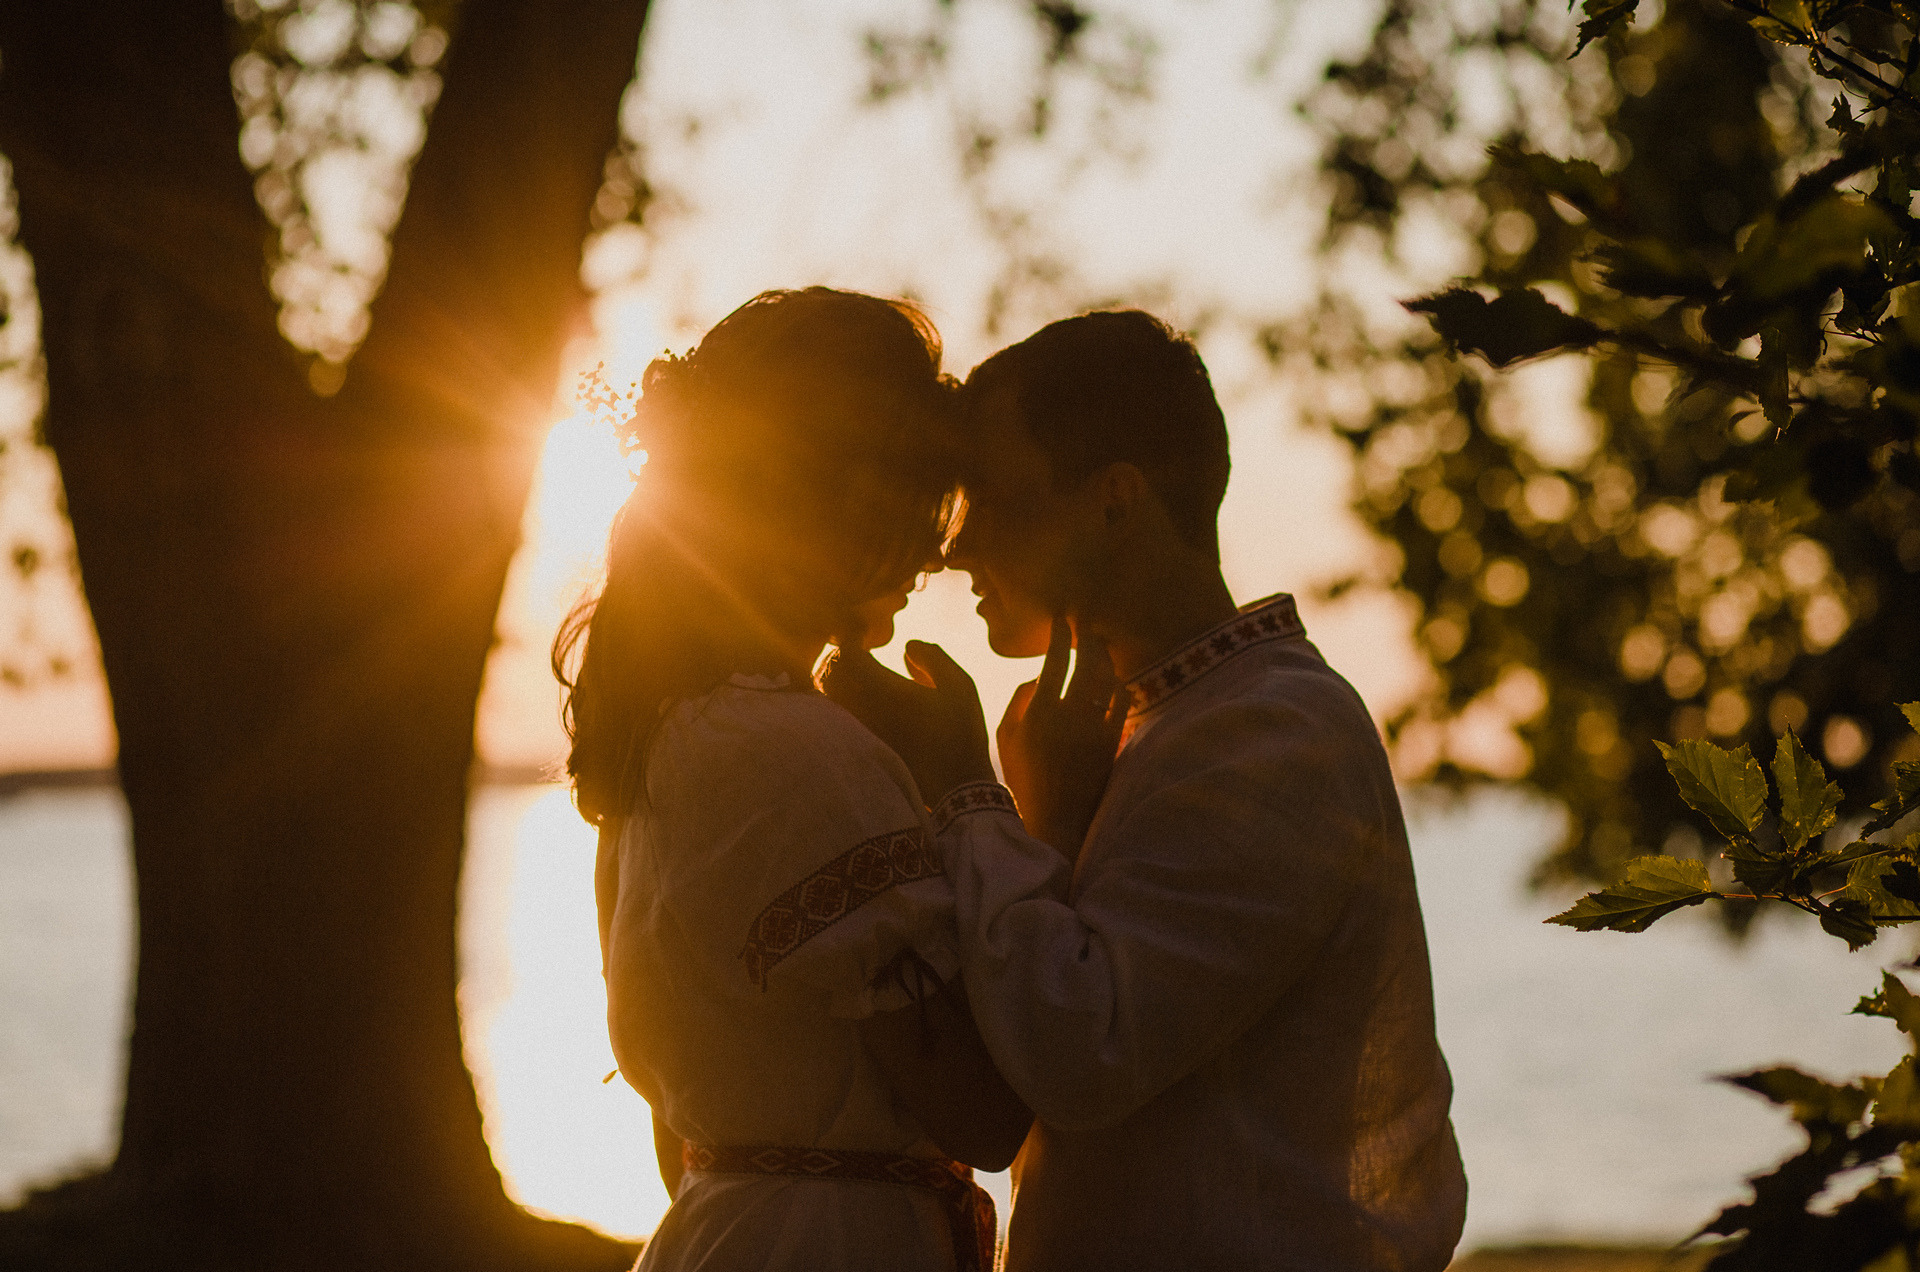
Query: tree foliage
x=1710, y=210
x=1781, y=853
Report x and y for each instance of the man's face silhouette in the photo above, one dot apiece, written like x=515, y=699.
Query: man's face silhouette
x=1023, y=541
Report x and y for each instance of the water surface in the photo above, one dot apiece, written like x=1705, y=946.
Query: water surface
x=1581, y=1061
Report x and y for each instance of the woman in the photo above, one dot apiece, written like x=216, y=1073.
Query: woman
x=775, y=928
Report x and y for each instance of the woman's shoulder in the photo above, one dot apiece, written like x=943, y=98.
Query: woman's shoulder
x=762, y=724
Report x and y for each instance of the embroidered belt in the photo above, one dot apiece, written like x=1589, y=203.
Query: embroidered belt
x=969, y=1209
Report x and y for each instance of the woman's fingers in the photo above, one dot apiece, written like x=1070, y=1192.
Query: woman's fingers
x=939, y=669
x=1053, y=672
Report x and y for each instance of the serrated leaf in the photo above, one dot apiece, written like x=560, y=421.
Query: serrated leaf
x=1905, y=797
x=1808, y=801
x=1867, y=883
x=1811, y=1099
x=1841, y=120
x=1854, y=851
x=1652, y=888
x=1649, y=266
x=1783, y=21
x=1511, y=327
x=1911, y=710
x=1874, y=1004
x=1899, y=1004
x=1902, y=879
x=1898, y=1102
x=1726, y=786
x=1825, y=242
x=1762, y=872
x=1602, y=17
x=1775, y=387
x=1849, y=919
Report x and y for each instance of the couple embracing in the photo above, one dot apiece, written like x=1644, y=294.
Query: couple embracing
x=1173, y=971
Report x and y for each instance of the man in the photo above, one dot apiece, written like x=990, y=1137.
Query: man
x=1205, y=973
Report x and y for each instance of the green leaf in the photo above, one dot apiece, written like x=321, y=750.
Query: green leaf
x=1894, y=1001
x=1762, y=872
x=1849, y=919
x=1652, y=888
x=1765, y=873
x=1905, y=797
x=1784, y=22
x=1578, y=181
x=1874, y=882
x=1775, y=384
x=1874, y=1004
x=1911, y=710
x=1808, y=801
x=1603, y=16
x=1811, y=1099
x=1652, y=267
x=1841, y=120
x=1855, y=851
x=1902, y=880
x=1726, y=786
x=1513, y=326
x=1825, y=242
x=1898, y=1102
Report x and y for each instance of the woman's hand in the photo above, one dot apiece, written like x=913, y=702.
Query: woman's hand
x=1057, y=748
x=933, y=722
x=941, y=1075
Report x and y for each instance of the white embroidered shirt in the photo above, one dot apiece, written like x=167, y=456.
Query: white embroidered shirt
x=779, y=864
x=1222, y=1015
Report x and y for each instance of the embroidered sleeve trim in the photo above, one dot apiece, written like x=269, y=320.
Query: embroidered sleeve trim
x=973, y=797
x=832, y=892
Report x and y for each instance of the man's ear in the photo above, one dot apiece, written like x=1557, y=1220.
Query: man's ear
x=1123, y=492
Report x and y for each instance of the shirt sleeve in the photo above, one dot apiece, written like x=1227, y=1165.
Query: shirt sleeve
x=845, y=893
x=1197, y=908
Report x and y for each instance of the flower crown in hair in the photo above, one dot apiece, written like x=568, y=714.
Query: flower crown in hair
x=648, y=413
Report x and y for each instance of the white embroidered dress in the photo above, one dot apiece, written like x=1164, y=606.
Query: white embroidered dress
x=1222, y=1016
x=779, y=865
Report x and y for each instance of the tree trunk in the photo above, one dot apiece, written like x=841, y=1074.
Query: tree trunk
x=295, y=598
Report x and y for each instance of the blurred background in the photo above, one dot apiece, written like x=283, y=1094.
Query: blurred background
x=1273, y=177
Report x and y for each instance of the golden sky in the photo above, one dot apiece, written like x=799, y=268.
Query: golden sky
x=1195, y=203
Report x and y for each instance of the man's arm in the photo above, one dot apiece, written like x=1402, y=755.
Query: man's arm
x=1200, y=909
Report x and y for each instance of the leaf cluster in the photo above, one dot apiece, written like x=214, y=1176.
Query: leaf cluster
x=1777, y=845
x=1734, y=550
x=1778, y=853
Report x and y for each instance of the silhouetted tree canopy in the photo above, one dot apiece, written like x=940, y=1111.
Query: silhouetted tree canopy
x=1711, y=209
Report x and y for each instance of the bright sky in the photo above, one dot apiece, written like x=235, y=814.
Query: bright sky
x=779, y=175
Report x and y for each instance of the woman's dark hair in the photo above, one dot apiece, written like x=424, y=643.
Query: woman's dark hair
x=798, y=463
x=1120, y=385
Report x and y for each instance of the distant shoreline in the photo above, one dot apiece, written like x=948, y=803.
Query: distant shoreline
x=22, y=780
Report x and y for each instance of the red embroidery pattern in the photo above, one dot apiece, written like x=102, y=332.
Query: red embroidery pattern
x=973, y=797
x=1272, y=620
x=970, y=1217
x=832, y=892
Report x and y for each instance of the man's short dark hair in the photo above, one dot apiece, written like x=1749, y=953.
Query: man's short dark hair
x=1120, y=385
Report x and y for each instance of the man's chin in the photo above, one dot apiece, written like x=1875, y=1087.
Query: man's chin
x=1008, y=643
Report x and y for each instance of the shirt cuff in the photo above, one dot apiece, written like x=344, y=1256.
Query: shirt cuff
x=972, y=797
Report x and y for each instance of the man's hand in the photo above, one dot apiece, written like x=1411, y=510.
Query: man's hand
x=1057, y=749
x=933, y=721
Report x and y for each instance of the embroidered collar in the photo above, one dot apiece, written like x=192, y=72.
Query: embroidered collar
x=1259, y=622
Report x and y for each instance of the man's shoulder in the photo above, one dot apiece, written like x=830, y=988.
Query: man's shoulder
x=1282, y=698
